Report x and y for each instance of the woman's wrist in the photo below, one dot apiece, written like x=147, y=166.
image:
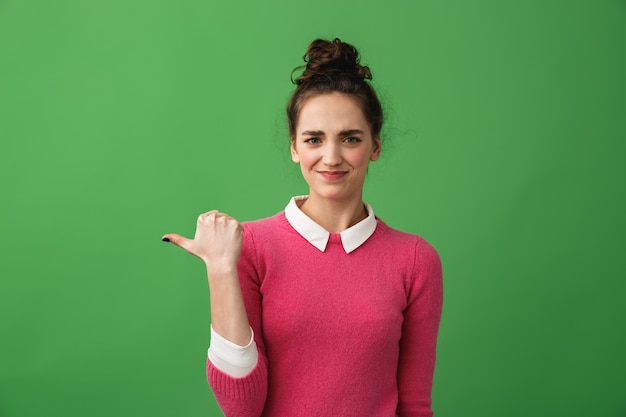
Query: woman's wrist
x=220, y=270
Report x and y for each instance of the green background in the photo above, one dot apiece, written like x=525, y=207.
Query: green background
x=123, y=120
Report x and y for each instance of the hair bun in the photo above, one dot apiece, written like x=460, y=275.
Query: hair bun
x=332, y=58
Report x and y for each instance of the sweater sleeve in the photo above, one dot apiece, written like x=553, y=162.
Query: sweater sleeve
x=419, y=333
x=230, y=358
x=245, y=396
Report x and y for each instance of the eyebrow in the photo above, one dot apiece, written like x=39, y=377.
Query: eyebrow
x=347, y=132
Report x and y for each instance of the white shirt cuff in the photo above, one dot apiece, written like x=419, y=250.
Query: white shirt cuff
x=234, y=360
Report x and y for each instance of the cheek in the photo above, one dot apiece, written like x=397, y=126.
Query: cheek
x=307, y=158
x=359, y=157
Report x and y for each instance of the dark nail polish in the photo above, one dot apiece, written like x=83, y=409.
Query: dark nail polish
x=165, y=239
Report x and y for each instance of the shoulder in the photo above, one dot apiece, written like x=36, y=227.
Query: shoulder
x=412, y=248
x=266, y=226
x=392, y=236
x=267, y=233
x=256, y=235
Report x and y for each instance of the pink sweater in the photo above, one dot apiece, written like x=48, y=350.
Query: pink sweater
x=338, y=334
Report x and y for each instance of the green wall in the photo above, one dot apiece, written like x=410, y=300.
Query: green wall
x=123, y=120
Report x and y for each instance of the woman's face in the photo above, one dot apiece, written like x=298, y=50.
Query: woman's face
x=333, y=145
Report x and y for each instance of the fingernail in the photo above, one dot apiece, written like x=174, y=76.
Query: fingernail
x=166, y=239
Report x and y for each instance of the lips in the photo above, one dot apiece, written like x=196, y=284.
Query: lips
x=333, y=175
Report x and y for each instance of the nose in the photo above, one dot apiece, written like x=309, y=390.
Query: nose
x=332, y=154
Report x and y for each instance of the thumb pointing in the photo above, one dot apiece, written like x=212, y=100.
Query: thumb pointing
x=178, y=240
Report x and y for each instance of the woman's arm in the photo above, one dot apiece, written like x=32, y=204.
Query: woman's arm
x=419, y=334
x=218, y=242
x=245, y=396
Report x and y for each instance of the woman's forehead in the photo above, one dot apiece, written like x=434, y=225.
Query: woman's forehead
x=331, y=113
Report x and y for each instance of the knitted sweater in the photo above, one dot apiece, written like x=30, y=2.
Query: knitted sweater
x=338, y=334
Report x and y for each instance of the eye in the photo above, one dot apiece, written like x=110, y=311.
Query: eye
x=352, y=139
x=313, y=141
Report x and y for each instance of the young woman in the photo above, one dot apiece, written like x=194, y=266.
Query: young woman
x=322, y=309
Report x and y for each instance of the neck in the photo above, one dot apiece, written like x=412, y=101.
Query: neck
x=334, y=215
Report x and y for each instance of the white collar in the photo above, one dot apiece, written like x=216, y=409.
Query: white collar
x=351, y=238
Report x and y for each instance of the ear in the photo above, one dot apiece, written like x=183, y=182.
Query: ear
x=377, y=148
x=294, y=153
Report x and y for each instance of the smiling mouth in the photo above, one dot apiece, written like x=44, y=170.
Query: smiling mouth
x=332, y=175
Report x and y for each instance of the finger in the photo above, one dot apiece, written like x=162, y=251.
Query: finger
x=178, y=240
x=207, y=215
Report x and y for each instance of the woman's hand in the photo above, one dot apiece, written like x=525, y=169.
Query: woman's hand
x=217, y=240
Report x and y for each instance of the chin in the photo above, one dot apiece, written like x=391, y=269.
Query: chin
x=332, y=194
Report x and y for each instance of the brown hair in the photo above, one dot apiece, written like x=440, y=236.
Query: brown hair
x=333, y=66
